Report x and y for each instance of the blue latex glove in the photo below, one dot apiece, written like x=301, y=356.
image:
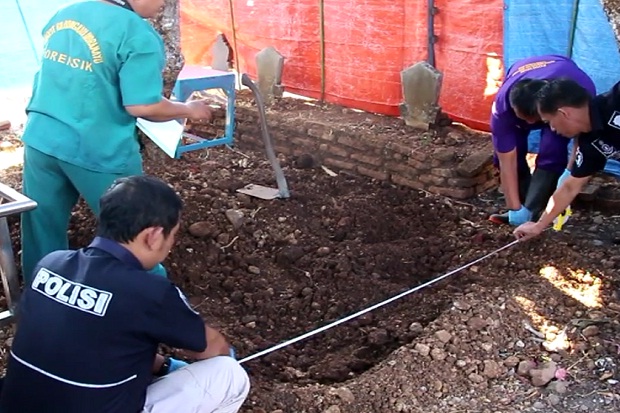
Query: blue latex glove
x=232, y=353
x=175, y=365
x=519, y=217
x=563, y=177
x=159, y=270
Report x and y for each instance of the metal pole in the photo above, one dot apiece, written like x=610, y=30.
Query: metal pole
x=234, y=33
x=17, y=202
x=34, y=49
x=431, y=32
x=8, y=272
x=280, y=178
x=573, y=28
x=322, y=45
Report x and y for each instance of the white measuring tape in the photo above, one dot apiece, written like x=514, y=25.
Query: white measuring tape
x=374, y=307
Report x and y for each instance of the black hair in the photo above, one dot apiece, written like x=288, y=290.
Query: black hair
x=522, y=96
x=135, y=203
x=562, y=92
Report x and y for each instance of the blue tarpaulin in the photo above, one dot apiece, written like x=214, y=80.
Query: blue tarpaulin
x=18, y=57
x=533, y=27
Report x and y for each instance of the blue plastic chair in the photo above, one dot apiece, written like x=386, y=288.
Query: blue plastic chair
x=198, y=78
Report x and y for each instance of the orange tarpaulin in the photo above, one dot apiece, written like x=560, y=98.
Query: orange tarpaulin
x=367, y=43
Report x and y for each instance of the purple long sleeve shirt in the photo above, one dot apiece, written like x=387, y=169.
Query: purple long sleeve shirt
x=510, y=132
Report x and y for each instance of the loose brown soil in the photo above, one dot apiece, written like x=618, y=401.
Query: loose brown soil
x=266, y=271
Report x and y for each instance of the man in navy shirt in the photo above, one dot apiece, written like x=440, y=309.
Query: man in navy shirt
x=569, y=110
x=90, y=324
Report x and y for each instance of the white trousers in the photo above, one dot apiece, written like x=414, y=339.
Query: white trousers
x=216, y=385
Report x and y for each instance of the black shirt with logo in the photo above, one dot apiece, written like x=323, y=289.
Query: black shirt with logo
x=88, y=330
x=602, y=143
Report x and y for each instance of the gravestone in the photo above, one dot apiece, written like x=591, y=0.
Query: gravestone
x=421, y=85
x=269, y=64
x=220, y=53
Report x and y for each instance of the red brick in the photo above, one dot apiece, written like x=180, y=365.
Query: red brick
x=398, y=148
x=444, y=172
x=304, y=142
x=372, y=160
x=490, y=168
x=309, y=124
x=339, y=163
x=337, y=150
x=411, y=183
x=373, y=173
x=329, y=135
x=431, y=179
x=419, y=165
x=300, y=129
x=474, y=164
x=283, y=149
x=320, y=130
x=487, y=185
x=419, y=155
x=493, y=173
x=444, y=154
x=352, y=142
x=457, y=193
x=480, y=179
x=316, y=131
x=374, y=141
x=399, y=167
x=461, y=182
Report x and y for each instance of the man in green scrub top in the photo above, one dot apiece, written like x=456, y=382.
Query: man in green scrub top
x=101, y=69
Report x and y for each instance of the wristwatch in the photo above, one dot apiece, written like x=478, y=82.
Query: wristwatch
x=165, y=367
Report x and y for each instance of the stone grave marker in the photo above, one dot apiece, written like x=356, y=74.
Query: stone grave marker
x=220, y=54
x=269, y=64
x=421, y=85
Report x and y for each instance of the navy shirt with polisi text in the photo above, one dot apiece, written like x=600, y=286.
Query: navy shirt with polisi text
x=603, y=141
x=88, y=330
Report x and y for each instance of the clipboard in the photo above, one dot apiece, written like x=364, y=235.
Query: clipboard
x=166, y=135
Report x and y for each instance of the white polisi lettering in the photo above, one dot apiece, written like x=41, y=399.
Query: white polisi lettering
x=75, y=295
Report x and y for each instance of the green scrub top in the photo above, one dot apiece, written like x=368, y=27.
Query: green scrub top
x=97, y=59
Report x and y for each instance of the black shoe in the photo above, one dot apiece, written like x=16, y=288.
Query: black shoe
x=500, y=218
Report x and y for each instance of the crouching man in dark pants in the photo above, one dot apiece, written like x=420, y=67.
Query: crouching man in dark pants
x=514, y=116
x=90, y=323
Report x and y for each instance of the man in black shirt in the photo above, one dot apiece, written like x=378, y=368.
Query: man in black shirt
x=569, y=110
x=91, y=321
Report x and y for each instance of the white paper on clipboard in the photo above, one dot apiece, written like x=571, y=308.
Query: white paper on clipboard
x=166, y=135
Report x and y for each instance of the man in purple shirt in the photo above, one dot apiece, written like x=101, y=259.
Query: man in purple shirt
x=514, y=116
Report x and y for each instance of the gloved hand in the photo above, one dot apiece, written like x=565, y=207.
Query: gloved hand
x=519, y=217
x=175, y=365
x=159, y=270
x=233, y=353
x=563, y=177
